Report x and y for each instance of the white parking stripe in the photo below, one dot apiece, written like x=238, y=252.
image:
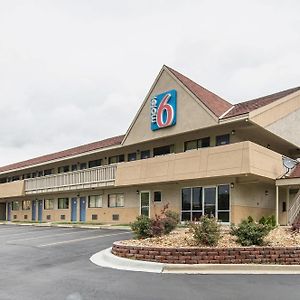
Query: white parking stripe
x=49, y=236
x=81, y=239
x=30, y=231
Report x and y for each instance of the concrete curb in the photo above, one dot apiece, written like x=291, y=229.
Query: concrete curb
x=88, y=226
x=107, y=260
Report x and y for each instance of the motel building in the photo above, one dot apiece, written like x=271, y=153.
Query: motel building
x=186, y=147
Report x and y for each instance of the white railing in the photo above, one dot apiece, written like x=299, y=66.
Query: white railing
x=294, y=209
x=83, y=177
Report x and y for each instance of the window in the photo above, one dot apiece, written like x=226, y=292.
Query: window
x=116, y=200
x=94, y=163
x=157, y=196
x=3, y=180
x=63, y=203
x=196, y=144
x=190, y=145
x=132, y=156
x=63, y=169
x=211, y=201
x=15, y=205
x=95, y=201
x=14, y=178
x=223, y=203
x=40, y=174
x=145, y=154
x=115, y=217
x=28, y=175
x=49, y=204
x=82, y=166
x=33, y=175
x=116, y=159
x=74, y=167
x=163, y=150
x=222, y=139
x=48, y=172
x=26, y=205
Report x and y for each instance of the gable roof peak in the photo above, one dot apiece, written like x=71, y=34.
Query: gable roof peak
x=217, y=105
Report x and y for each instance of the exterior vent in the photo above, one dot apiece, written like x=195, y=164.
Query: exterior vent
x=48, y=217
x=115, y=217
x=15, y=217
x=25, y=217
x=62, y=217
x=94, y=217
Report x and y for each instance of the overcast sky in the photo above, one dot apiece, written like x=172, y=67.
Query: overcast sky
x=73, y=72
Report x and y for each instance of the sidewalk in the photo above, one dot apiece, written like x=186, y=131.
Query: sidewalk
x=106, y=259
x=68, y=225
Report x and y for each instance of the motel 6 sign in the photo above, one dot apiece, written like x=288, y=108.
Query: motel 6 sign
x=163, y=110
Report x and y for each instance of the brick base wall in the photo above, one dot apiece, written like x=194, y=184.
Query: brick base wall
x=246, y=255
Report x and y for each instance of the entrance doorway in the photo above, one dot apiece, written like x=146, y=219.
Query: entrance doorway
x=145, y=204
x=82, y=209
x=33, y=211
x=74, y=210
x=40, y=210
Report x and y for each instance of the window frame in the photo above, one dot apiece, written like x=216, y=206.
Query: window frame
x=160, y=193
x=95, y=206
x=46, y=202
x=24, y=207
x=63, y=198
x=117, y=195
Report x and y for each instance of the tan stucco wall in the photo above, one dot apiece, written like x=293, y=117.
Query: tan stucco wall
x=12, y=189
x=229, y=160
x=191, y=114
x=278, y=116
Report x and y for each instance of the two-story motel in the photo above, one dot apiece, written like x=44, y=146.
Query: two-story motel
x=186, y=146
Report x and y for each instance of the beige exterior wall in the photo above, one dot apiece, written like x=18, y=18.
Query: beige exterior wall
x=229, y=160
x=12, y=189
x=278, y=116
x=191, y=114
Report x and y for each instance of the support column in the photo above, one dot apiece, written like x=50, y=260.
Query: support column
x=277, y=205
x=287, y=205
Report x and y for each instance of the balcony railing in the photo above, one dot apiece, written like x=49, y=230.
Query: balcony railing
x=83, y=179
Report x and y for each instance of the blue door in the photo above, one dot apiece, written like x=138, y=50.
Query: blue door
x=40, y=210
x=74, y=209
x=82, y=209
x=33, y=210
x=8, y=211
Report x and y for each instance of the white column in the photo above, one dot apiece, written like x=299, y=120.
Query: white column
x=277, y=205
x=287, y=205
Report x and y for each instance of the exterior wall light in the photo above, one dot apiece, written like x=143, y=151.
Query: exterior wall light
x=137, y=192
x=232, y=185
x=233, y=132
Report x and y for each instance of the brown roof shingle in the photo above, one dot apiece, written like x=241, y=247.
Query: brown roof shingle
x=248, y=106
x=213, y=102
x=296, y=172
x=65, y=153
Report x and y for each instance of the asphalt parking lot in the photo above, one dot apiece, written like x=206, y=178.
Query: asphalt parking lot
x=53, y=263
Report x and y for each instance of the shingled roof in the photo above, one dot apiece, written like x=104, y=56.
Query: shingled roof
x=213, y=102
x=296, y=172
x=65, y=153
x=248, y=106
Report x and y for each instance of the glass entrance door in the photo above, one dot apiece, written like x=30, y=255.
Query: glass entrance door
x=209, y=199
x=145, y=203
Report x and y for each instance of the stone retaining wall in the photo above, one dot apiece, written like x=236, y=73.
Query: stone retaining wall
x=245, y=255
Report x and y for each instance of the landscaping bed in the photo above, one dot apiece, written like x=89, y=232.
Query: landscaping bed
x=281, y=246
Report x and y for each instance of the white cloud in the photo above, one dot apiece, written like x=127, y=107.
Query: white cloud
x=73, y=72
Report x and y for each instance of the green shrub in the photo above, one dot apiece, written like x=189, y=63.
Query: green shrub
x=144, y=227
x=141, y=227
x=207, y=232
x=270, y=221
x=170, y=221
x=250, y=233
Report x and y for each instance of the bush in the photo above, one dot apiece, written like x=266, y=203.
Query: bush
x=270, y=221
x=296, y=226
x=141, y=227
x=170, y=221
x=207, y=232
x=249, y=233
x=144, y=227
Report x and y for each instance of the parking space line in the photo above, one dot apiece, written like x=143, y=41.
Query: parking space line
x=26, y=232
x=49, y=236
x=81, y=239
